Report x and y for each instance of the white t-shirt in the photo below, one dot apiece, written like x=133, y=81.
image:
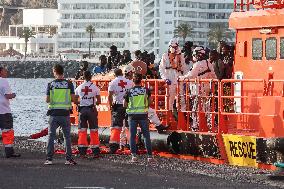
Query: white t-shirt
x=4, y=102
x=119, y=86
x=87, y=93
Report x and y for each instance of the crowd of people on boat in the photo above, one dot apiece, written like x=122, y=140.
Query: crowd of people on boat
x=190, y=62
x=222, y=58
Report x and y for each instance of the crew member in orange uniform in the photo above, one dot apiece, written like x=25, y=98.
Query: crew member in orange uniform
x=6, y=119
x=89, y=97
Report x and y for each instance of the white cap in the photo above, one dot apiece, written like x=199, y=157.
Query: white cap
x=173, y=42
x=198, y=50
x=129, y=68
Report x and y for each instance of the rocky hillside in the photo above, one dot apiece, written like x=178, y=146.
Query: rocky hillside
x=10, y=12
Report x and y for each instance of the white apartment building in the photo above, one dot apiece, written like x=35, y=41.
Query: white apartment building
x=109, y=17
x=136, y=24
x=43, y=23
x=161, y=17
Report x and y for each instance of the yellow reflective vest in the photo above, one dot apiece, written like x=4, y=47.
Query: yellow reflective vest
x=60, y=99
x=138, y=101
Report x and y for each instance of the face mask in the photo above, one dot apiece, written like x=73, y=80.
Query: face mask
x=178, y=51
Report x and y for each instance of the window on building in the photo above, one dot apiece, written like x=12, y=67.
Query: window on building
x=135, y=42
x=257, y=49
x=135, y=32
x=135, y=12
x=211, y=16
x=65, y=6
x=135, y=2
x=169, y=2
x=203, y=5
x=168, y=22
x=271, y=48
x=169, y=12
x=282, y=47
x=211, y=6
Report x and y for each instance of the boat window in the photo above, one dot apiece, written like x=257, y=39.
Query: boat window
x=282, y=47
x=256, y=49
x=270, y=48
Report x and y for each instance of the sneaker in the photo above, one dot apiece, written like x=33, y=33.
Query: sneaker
x=48, y=162
x=134, y=159
x=70, y=162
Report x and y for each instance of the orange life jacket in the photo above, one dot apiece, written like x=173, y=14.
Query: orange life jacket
x=175, y=61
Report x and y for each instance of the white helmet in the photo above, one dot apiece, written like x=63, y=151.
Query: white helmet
x=129, y=68
x=173, y=42
x=198, y=50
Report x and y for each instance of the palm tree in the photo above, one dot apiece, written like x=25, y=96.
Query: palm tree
x=26, y=34
x=183, y=30
x=218, y=33
x=91, y=30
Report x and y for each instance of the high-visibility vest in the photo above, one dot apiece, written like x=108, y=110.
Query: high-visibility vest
x=60, y=99
x=138, y=101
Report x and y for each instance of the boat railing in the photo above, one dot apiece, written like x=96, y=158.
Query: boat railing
x=247, y=5
x=228, y=106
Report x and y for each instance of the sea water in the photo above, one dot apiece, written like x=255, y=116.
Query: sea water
x=29, y=107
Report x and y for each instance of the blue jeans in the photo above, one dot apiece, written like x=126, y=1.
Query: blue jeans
x=54, y=123
x=146, y=133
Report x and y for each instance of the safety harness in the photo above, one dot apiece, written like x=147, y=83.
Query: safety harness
x=206, y=71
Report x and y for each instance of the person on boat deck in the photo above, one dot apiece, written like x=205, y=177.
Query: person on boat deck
x=113, y=59
x=116, y=91
x=171, y=67
x=228, y=60
x=138, y=55
x=202, y=69
x=102, y=67
x=84, y=67
x=6, y=119
x=217, y=63
x=125, y=58
x=89, y=96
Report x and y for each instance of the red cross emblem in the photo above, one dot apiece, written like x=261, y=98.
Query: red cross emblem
x=122, y=84
x=86, y=90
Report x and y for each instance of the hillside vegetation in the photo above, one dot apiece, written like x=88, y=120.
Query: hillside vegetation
x=11, y=12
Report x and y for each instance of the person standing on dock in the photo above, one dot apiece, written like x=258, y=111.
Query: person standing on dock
x=59, y=95
x=6, y=119
x=89, y=97
x=116, y=91
x=129, y=70
x=137, y=103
